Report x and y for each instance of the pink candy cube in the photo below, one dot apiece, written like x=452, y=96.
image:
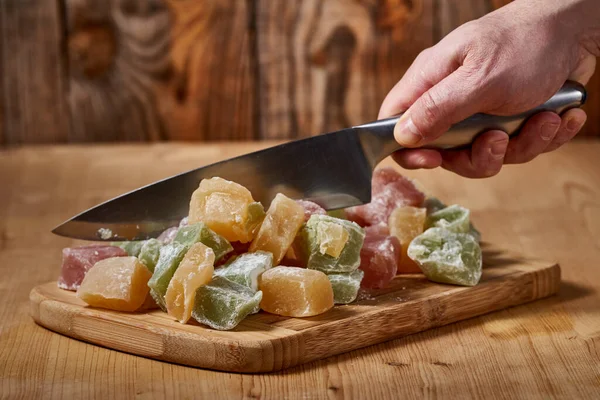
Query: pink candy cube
x=390, y=190
x=311, y=208
x=78, y=260
x=381, y=229
x=167, y=236
x=379, y=259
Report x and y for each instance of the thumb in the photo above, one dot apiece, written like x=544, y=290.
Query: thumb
x=584, y=69
x=433, y=113
x=430, y=67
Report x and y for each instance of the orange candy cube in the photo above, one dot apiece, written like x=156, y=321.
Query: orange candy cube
x=227, y=208
x=118, y=283
x=295, y=292
x=406, y=223
x=281, y=224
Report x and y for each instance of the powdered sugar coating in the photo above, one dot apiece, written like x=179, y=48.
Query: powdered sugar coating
x=454, y=218
x=105, y=233
x=447, y=257
x=116, y=283
x=78, y=261
x=168, y=235
x=348, y=240
x=345, y=286
x=247, y=268
x=390, y=190
x=295, y=292
x=223, y=304
x=381, y=229
x=379, y=260
x=311, y=208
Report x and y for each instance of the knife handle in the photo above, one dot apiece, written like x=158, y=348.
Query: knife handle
x=462, y=134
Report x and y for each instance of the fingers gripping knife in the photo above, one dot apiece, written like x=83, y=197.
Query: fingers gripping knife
x=571, y=95
x=333, y=170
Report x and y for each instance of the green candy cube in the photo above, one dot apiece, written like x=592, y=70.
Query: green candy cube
x=132, y=248
x=246, y=268
x=454, y=218
x=330, y=245
x=223, y=304
x=345, y=286
x=447, y=257
x=256, y=215
x=433, y=205
x=191, y=234
x=149, y=253
x=168, y=261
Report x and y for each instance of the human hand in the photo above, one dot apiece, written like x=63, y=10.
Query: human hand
x=504, y=63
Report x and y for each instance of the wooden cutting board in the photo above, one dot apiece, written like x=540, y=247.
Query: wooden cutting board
x=265, y=342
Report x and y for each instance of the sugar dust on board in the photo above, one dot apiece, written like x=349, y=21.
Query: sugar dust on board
x=230, y=258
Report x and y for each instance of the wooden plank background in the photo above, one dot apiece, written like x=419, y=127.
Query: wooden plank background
x=152, y=70
x=33, y=81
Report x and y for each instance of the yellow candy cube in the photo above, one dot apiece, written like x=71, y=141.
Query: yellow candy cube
x=332, y=239
x=196, y=269
x=227, y=208
x=406, y=223
x=281, y=224
x=295, y=292
x=118, y=283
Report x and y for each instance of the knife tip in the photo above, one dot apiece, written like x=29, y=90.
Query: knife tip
x=59, y=230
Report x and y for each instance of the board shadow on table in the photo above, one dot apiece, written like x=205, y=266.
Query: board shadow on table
x=495, y=258
x=571, y=291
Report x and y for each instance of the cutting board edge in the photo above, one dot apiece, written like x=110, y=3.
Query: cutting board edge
x=291, y=347
x=544, y=283
x=257, y=355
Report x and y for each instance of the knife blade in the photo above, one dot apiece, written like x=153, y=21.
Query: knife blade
x=334, y=170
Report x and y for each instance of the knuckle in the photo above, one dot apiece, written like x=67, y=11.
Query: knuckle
x=424, y=54
x=430, y=108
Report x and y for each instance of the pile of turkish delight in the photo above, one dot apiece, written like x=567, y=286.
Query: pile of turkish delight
x=229, y=258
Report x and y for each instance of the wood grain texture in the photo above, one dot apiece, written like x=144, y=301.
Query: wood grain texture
x=327, y=65
x=213, y=63
x=453, y=13
x=264, y=342
x=118, y=54
x=2, y=138
x=546, y=349
x=152, y=70
x=33, y=106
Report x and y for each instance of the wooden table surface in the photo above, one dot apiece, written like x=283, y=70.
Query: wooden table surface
x=548, y=349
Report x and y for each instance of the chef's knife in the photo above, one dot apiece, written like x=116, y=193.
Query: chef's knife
x=333, y=170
